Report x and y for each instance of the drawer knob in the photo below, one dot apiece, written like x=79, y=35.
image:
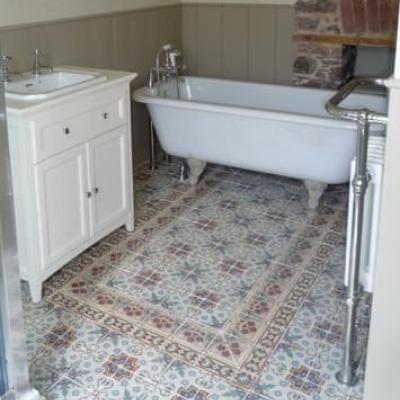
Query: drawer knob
x=105, y=115
x=88, y=195
x=66, y=130
x=96, y=190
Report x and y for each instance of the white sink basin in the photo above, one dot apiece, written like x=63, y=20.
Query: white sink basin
x=51, y=84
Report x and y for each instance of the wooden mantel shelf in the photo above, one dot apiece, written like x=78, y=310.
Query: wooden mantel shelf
x=347, y=40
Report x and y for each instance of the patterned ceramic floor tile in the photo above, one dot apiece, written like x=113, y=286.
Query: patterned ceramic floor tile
x=289, y=374
x=35, y=341
x=186, y=383
x=228, y=290
x=66, y=389
x=42, y=377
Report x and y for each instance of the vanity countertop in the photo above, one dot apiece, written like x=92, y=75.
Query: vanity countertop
x=16, y=107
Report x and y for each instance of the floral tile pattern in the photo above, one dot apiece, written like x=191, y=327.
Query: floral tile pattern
x=227, y=290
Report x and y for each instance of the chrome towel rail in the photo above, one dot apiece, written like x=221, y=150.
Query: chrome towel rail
x=364, y=118
x=333, y=104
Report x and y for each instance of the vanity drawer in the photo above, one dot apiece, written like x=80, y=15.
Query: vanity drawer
x=51, y=136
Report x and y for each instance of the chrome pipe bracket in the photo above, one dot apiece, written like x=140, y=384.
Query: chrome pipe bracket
x=364, y=118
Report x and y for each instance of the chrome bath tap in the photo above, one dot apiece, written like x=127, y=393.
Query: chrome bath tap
x=168, y=67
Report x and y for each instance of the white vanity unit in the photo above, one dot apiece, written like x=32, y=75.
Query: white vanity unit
x=71, y=161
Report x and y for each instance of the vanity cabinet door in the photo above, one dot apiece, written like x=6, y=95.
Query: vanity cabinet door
x=109, y=179
x=62, y=189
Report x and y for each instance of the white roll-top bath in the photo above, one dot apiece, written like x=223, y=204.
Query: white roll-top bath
x=261, y=127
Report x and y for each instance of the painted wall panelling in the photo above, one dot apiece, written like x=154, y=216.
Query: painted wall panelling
x=235, y=37
x=247, y=42
x=17, y=12
x=285, y=47
x=209, y=41
x=190, y=28
x=125, y=41
x=262, y=44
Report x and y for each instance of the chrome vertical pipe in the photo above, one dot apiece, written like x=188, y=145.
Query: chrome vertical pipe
x=183, y=171
x=363, y=117
x=347, y=374
x=152, y=148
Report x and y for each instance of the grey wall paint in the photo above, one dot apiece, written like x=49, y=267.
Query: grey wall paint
x=125, y=41
x=246, y=42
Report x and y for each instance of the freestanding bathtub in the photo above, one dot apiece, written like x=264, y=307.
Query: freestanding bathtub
x=267, y=128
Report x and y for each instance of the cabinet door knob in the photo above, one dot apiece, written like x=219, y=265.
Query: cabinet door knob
x=88, y=195
x=105, y=115
x=96, y=190
x=66, y=130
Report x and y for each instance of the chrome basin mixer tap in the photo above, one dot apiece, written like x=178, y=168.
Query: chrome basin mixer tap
x=4, y=68
x=38, y=68
x=5, y=72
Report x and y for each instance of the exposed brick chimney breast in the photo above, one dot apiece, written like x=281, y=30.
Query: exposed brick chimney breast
x=323, y=27
x=368, y=16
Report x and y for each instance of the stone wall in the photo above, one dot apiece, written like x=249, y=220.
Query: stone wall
x=325, y=27
x=318, y=65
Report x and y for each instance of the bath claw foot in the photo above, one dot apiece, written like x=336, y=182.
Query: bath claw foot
x=196, y=168
x=315, y=191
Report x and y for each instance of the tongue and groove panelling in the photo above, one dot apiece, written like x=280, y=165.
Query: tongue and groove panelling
x=245, y=42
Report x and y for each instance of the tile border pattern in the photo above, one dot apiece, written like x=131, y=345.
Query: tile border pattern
x=247, y=374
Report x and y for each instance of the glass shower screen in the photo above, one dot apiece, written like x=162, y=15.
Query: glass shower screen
x=14, y=373
x=3, y=369
x=3, y=365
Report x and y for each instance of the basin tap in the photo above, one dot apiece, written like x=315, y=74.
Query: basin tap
x=5, y=72
x=4, y=67
x=38, y=68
